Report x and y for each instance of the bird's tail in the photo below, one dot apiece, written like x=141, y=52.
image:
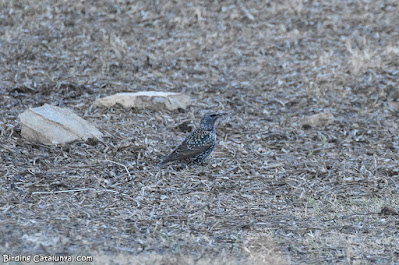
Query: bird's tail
x=164, y=160
x=161, y=164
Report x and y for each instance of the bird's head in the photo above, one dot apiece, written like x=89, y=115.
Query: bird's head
x=209, y=119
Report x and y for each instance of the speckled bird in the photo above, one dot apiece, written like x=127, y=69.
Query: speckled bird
x=198, y=145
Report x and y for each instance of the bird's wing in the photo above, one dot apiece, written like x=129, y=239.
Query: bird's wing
x=188, y=148
x=184, y=152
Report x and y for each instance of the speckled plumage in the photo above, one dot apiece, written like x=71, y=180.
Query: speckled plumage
x=198, y=145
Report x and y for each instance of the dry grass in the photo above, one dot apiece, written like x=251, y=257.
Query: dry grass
x=273, y=192
x=258, y=250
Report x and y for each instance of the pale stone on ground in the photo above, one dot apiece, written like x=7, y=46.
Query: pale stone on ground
x=154, y=100
x=320, y=119
x=52, y=125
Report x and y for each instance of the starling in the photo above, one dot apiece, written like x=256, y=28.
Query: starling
x=198, y=145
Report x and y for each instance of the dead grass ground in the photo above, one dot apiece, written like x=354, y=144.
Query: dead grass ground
x=274, y=192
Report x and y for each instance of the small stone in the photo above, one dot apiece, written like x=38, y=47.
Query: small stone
x=320, y=119
x=388, y=210
x=393, y=99
x=185, y=127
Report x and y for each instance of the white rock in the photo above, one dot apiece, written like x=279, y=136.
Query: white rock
x=154, y=100
x=53, y=125
x=320, y=119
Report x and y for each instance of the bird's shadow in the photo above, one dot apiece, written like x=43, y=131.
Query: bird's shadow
x=182, y=166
